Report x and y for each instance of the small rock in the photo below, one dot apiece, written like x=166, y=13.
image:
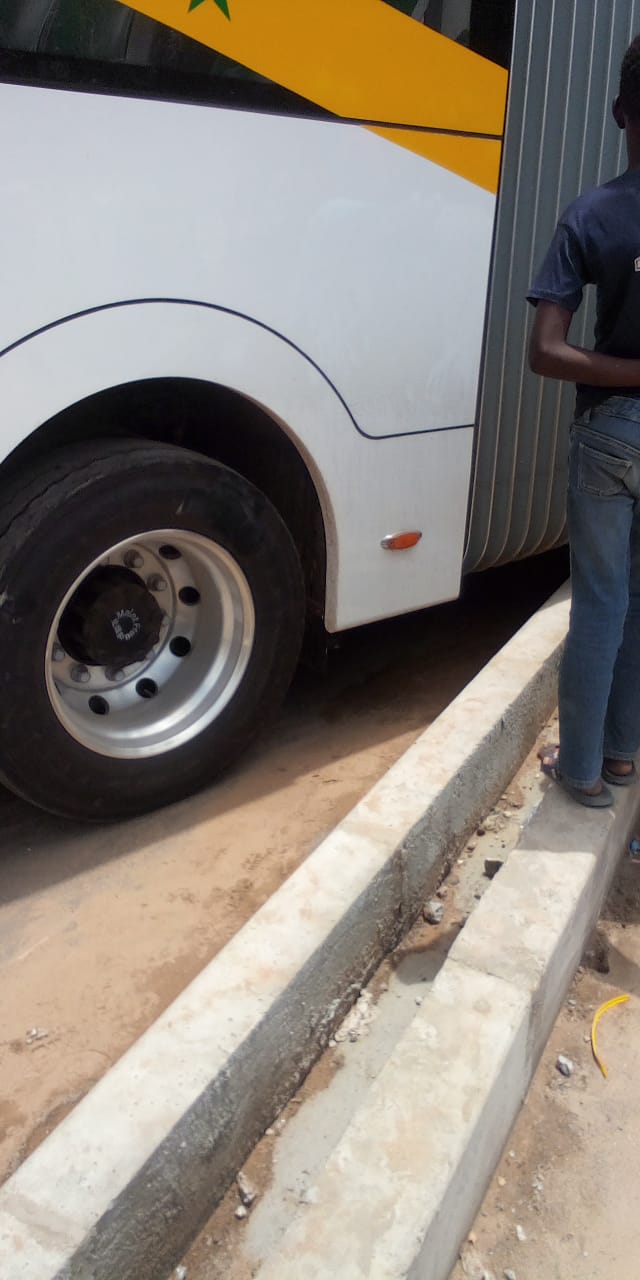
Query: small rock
x=481, y=831
x=564, y=1065
x=492, y=866
x=509, y=1274
x=502, y=1182
x=309, y=1196
x=521, y=1233
x=460, y=862
x=180, y=1273
x=473, y=844
x=434, y=912
x=507, y=813
x=472, y=1237
x=271, y=1133
x=442, y=891
x=494, y=823
x=246, y=1189
x=418, y=999
x=241, y=1211
x=571, y=1002
x=357, y=1022
x=36, y=1033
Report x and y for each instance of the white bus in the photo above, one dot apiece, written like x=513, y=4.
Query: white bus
x=245, y=257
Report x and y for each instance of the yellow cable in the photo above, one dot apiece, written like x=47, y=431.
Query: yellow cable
x=594, y=1043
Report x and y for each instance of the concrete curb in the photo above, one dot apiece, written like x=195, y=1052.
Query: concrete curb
x=419, y=1153
x=123, y=1184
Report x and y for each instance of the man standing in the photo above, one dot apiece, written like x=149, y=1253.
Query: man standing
x=597, y=241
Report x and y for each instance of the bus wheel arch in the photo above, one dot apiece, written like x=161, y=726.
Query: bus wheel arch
x=219, y=423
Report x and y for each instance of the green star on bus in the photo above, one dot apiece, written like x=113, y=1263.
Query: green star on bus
x=222, y=4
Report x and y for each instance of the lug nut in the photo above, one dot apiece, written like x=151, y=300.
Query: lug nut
x=133, y=560
x=114, y=674
x=189, y=595
x=156, y=582
x=80, y=673
x=57, y=653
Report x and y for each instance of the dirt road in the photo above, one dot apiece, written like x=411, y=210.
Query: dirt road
x=100, y=928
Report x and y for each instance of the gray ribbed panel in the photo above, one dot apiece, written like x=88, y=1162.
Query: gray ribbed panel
x=560, y=139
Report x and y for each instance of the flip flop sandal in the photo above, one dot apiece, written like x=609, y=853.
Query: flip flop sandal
x=620, y=779
x=549, y=766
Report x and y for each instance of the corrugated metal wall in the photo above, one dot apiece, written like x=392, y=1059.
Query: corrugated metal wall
x=560, y=139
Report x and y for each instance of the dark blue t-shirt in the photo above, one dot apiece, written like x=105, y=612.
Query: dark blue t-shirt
x=597, y=241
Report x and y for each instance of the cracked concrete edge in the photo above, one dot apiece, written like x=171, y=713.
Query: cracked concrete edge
x=118, y=1190
x=419, y=1153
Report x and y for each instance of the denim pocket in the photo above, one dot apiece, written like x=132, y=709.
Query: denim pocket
x=600, y=473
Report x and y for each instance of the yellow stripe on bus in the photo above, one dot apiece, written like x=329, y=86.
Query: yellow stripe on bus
x=362, y=60
x=477, y=159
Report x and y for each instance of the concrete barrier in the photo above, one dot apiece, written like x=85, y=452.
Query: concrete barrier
x=402, y=1187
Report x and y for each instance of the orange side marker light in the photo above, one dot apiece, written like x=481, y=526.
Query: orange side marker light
x=401, y=541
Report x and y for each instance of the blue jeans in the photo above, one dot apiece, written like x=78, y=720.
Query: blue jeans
x=599, y=693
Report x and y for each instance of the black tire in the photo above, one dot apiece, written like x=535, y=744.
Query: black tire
x=82, y=501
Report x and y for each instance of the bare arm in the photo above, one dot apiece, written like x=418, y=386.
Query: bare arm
x=553, y=357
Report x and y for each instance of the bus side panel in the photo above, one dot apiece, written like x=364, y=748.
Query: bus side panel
x=367, y=488
x=560, y=139
x=371, y=259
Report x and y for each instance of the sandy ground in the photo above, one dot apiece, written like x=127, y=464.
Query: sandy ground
x=100, y=928
x=565, y=1201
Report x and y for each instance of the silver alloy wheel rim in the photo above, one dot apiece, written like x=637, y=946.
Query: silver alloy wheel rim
x=187, y=677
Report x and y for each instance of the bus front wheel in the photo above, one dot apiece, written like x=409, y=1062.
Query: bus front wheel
x=151, y=616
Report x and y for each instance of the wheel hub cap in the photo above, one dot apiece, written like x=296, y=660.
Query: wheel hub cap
x=112, y=619
x=139, y=663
